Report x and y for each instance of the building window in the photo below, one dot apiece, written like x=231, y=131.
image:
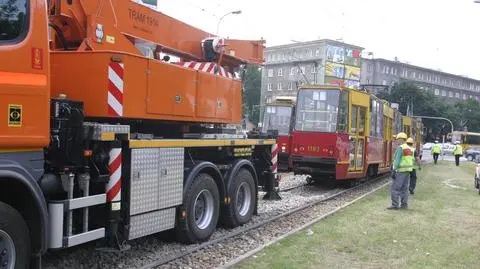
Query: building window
x=279, y=86
x=290, y=86
x=370, y=67
x=384, y=69
x=317, y=52
x=293, y=70
x=368, y=81
x=444, y=93
x=437, y=92
x=450, y=94
x=464, y=97
x=384, y=82
x=270, y=73
x=269, y=87
x=310, y=53
x=413, y=74
x=280, y=72
x=314, y=69
x=303, y=69
x=457, y=94
x=269, y=100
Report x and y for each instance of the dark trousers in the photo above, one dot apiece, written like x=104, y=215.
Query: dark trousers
x=435, y=157
x=413, y=180
x=400, y=189
x=457, y=160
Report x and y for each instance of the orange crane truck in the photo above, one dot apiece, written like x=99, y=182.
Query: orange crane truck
x=103, y=137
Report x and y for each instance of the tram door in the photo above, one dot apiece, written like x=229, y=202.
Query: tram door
x=357, y=137
x=387, y=138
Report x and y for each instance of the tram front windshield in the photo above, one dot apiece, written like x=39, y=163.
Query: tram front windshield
x=317, y=110
x=277, y=118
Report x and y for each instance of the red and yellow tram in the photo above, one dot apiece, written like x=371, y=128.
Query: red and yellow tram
x=343, y=134
x=279, y=116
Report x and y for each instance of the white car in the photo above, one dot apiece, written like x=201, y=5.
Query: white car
x=427, y=146
x=448, y=148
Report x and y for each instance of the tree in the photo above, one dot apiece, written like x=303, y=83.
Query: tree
x=414, y=101
x=252, y=83
x=468, y=113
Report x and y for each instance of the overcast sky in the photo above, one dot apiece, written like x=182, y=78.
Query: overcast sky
x=428, y=33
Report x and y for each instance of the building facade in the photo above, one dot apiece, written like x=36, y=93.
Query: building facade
x=316, y=62
x=444, y=85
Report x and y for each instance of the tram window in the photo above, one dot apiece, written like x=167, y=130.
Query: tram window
x=380, y=121
x=277, y=118
x=317, y=110
x=373, y=118
x=376, y=119
x=343, y=112
x=361, y=123
x=353, y=123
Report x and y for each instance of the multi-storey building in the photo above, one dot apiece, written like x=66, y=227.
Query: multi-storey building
x=316, y=62
x=444, y=85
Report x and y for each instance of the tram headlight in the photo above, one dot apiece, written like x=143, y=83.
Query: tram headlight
x=284, y=148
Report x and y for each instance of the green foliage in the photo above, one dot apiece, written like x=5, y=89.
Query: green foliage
x=252, y=83
x=463, y=114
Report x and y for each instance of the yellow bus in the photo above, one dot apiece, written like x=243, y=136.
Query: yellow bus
x=467, y=139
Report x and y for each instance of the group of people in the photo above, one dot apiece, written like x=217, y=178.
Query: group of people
x=437, y=150
x=405, y=163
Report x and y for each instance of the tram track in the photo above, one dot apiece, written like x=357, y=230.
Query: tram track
x=300, y=203
x=167, y=261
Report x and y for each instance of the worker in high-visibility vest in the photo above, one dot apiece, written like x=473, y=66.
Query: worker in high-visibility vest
x=436, y=150
x=458, y=152
x=416, y=162
x=402, y=166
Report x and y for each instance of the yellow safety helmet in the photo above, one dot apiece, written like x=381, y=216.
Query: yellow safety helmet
x=409, y=140
x=402, y=135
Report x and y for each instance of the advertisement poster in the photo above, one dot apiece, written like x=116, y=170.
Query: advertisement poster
x=335, y=54
x=352, y=84
x=352, y=57
x=333, y=81
x=352, y=73
x=334, y=70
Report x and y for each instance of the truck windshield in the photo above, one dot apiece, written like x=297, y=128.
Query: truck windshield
x=13, y=19
x=277, y=118
x=317, y=110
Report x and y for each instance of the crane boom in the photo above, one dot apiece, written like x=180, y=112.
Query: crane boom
x=79, y=23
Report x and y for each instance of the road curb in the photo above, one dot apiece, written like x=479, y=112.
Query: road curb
x=306, y=225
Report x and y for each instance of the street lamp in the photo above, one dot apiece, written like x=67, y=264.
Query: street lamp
x=237, y=12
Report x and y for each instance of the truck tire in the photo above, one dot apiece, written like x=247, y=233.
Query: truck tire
x=201, y=204
x=242, y=193
x=470, y=157
x=14, y=239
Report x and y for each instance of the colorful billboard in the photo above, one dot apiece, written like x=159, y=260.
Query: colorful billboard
x=343, y=55
x=334, y=70
x=352, y=73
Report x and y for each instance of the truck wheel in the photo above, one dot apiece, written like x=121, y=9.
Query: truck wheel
x=201, y=204
x=14, y=239
x=242, y=192
x=470, y=158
